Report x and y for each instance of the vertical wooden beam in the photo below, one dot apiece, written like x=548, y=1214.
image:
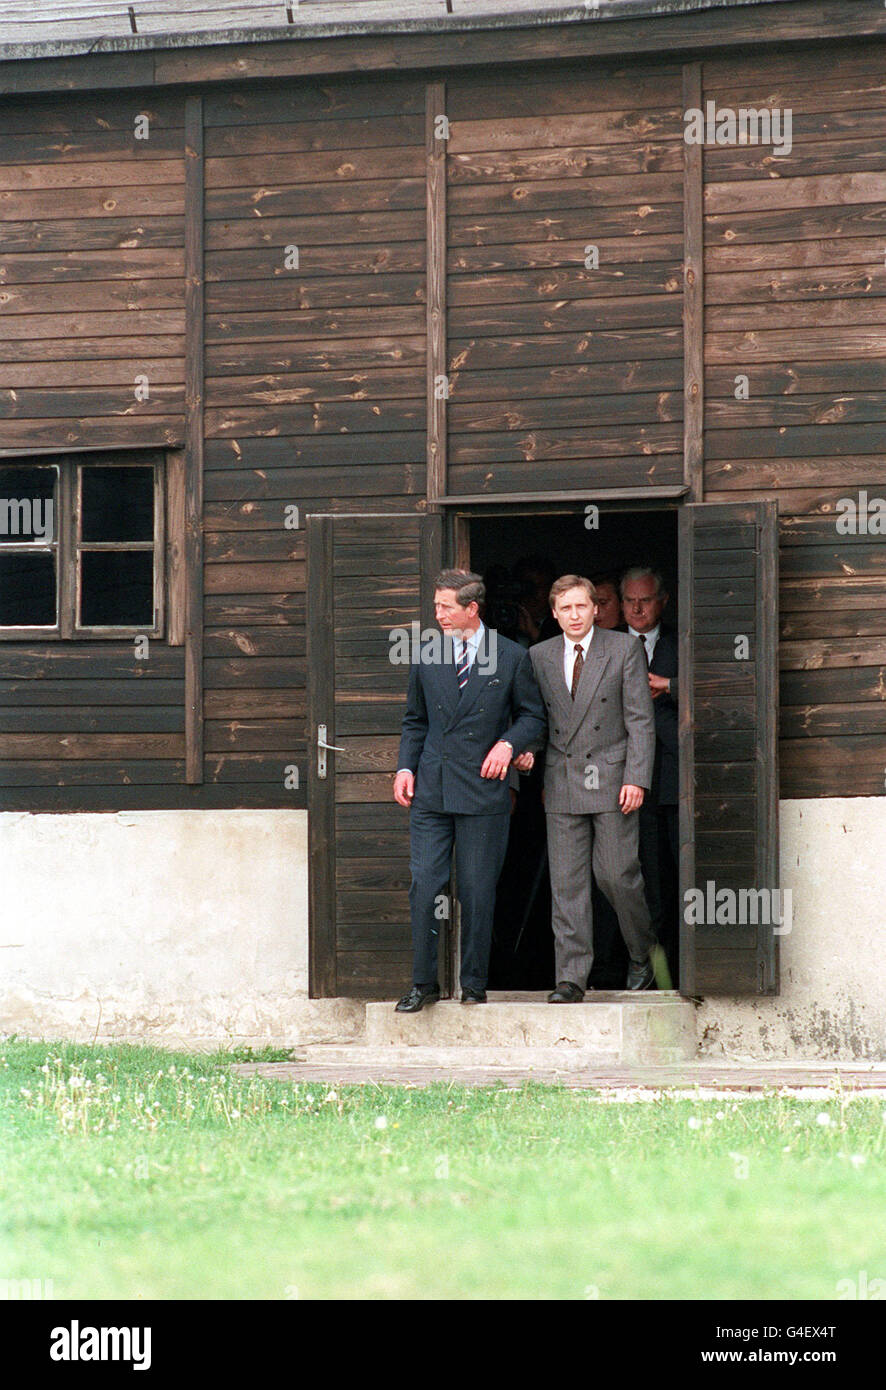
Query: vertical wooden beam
x=435, y=153
x=194, y=438
x=693, y=296
x=176, y=572
x=766, y=751
x=322, y=966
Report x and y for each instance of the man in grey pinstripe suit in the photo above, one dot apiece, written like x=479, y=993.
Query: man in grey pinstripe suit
x=598, y=764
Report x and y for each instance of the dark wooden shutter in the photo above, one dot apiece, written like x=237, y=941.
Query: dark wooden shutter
x=728, y=743
x=366, y=575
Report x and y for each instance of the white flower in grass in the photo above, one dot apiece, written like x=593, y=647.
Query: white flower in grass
x=74, y=1082
x=381, y=1122
x=858, y=1160
x=694, y=1122
x=823, y=1118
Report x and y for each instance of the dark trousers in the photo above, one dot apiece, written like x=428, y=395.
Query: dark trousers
x=660, y=861
x=481, y=843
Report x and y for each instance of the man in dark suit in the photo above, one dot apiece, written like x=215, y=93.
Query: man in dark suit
x=598, y=763
x=472, y=705
x=644, y=599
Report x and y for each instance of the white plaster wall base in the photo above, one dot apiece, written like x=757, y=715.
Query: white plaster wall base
x=176, y=927
x=832, y=1004
x=190, y=928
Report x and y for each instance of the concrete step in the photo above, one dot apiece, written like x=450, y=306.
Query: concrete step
x=512, y=1029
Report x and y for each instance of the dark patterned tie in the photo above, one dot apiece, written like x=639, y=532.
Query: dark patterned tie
x=576, y=668
x=644, y=648
x=463, y=668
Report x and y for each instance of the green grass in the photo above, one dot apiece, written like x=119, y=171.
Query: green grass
x=168, y=1177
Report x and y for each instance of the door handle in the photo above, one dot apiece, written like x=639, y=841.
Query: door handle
x=322, y=746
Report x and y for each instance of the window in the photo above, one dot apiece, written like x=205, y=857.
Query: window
x=81, y=546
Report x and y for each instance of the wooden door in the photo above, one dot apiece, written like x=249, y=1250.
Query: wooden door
x=728, y=699
x=367, y=577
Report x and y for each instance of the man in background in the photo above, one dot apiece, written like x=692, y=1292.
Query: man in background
x=644, y=600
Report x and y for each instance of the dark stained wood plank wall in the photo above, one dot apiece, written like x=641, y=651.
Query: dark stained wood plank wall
x=91, y=294
x=562, y=370
x=795, y=295
x=315, y=361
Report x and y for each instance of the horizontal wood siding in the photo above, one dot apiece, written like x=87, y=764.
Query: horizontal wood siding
x=561, y=377
x=795, y=293
x=561, y=372
x=91, y=295
x=315, y=379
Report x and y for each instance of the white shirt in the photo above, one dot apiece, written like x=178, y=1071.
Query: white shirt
x=569, y=646
x=649, y=639
x=472, y=642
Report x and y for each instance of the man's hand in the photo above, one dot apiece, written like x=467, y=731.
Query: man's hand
x=497, y=761
x=630, y=798
x=657, y=685
x=525, y=762
x=404, y=788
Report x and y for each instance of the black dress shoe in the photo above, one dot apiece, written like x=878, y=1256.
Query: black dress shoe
x=641, y=976
x=416, y=999
x=566, y=993
x=473, y=996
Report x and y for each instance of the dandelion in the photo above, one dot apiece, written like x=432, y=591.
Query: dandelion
x=858, y=1160
x=381, y=1122
x=310, y=1100
x=823, y=1118
x=720, y=1115
x=694, y=1122
x=74, y=1082
x=235, y=1114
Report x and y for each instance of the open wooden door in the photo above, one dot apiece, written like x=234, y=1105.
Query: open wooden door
x=366, y=576
x=728, y=698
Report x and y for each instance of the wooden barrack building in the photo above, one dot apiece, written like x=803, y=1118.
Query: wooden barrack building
x=299, y=303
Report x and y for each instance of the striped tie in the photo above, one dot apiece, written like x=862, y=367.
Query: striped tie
x=464, y=666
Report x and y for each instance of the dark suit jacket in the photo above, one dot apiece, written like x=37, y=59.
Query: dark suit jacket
x=665, y=776
x=447, y=733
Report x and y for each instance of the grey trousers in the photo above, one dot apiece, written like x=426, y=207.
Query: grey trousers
x=607, y=843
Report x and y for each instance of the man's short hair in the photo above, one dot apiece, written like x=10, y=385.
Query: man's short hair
x=469, y=587
x=571, y=581
x=610, y=578
x=642, y=572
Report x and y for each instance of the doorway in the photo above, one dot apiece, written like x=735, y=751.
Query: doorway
x=518, y=556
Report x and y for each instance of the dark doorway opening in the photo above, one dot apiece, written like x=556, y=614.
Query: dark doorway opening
x=516, y=554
